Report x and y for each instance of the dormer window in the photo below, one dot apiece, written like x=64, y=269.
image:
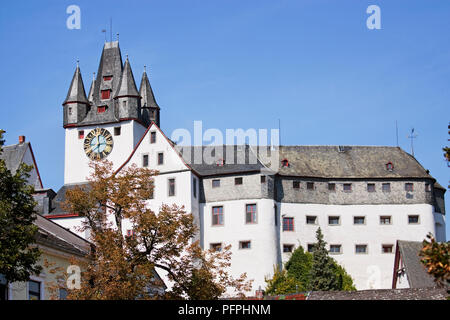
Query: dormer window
x=285, y=163
x=107, y=78
x=220, y=162
x=106, y=94
x=389, y=166
x=101, y=109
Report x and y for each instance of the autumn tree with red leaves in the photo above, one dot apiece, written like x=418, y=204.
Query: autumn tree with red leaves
x=123, y=267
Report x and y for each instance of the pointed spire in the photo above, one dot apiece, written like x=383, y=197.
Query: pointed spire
x=76, y=91
x=127, y=85
x=91, y=90
x=148, y=98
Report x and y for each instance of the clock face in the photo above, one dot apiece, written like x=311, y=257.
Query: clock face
x=98, y=144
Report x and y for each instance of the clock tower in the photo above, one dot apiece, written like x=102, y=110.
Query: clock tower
x=109, y=122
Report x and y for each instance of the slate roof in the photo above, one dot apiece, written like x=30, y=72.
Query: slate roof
x=354, y=162
x=148, y=98
x=384, y=294
x=13, y=155
x=127, y=85
x=418, y=276
x=76, y=91
x=60, y=198
x=53, y=235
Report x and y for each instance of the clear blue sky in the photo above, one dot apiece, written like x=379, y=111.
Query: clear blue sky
x=241, y=64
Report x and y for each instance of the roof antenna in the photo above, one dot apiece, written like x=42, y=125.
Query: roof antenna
x=104, y=31
x=396, y=130
x=145, y=68
x=110, y=28
x=412, y=136
x=117, y=36
x=78, y=63
x=279, y=132
x=93, y=79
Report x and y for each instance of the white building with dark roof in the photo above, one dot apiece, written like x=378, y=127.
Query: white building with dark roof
x=364, y=198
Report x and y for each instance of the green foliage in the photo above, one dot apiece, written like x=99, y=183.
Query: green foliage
x=299, y=267
x=345, y=280
x=323, y=272
x=17, y=232
x=281, y=283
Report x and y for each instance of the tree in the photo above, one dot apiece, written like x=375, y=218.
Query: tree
x=282, y=283
x=323, y=272
x=436, y=258
x=299, y=267
x=18, y=257
x=123, y=267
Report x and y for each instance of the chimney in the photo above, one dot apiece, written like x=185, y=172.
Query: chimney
x=21, y=139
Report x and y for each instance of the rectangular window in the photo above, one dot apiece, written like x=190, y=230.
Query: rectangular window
x=145, y=160
x=216, y=183
x=334, y=220
x=153, y=137
x=371, y=187
x=217, y=216
x=34, y=290
x=250, y=213
x=413, y=219
x=347, y=187
x=359, y=220
x=106, y=94
x=310, y=186
x=386, y=187
x=385, y=220
x=117, y=131
x=238, y=181
x=263, y=179
x=245, y=245
x=310, y=247
x=101, y=109
x=70, y=111
x=107, y=78
x=160, y=158
x=194, y=186
x=427, y=187
x=81, y=134
x=171, y=187
x=409, y=187
x=124, y=103
x=360, y=248
x=387, y=248
x=335, y=248
x=296, y=184
x=332, y=187
x=288, y=247
x=130, y=232
x=288, y=224
x=311, y=219
x=216, y=247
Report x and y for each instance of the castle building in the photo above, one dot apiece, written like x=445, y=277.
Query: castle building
x=364, y=198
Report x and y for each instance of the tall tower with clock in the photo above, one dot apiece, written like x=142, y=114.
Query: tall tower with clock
x=109, y=121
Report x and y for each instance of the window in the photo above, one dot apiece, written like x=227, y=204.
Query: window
x=117, y=131
x=130, y=233
x=288, y=224
x=360, y=248
x=335, y=248
x=427, y=187
x=250, y=213
x=409, y=187
x=285, y=163
x=371, y=187
x=153, y=137
x=171, y=187
x=311, y=219
x=101, y=109
x=288, y=247
x=194, y=186
x=106, y=94
x=34, y=290
x=217, y=216
x=70, y=111
x=216, y=247
x=359, y=220
x=334, y=220
x=145, y=160
x=220, y=162
x=332, y=187
x=389, y=166
x=238, y=181
x=413, y=219
x=347, y=187
x=107, y=78
x=386, y=187
x=385, y=220
x=124, y=103
x=216, y=183
x=81, y=134
x=310, y=186
x=296, y=184
x=387, y=248
x=310, y=247
x=245, y=244
x=160, y=158
x=263, y=179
